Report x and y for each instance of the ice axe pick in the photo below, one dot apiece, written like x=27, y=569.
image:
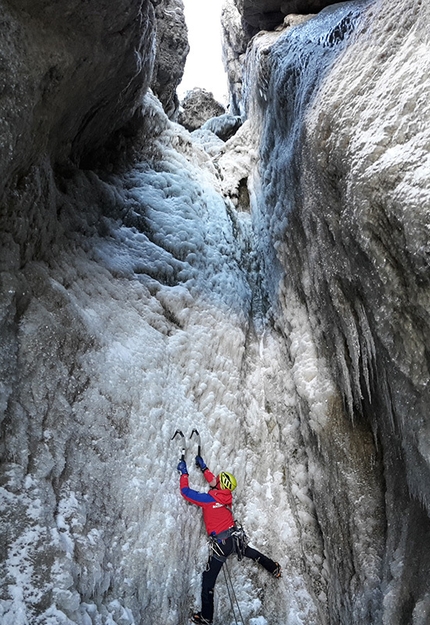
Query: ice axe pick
x=199, y=444
x=183, y=443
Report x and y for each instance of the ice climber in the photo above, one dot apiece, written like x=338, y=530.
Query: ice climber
x=220, y=526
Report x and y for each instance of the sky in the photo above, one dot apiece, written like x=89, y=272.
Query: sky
x=204, y=66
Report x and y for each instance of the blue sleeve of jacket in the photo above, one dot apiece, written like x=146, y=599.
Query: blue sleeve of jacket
x=200, y=499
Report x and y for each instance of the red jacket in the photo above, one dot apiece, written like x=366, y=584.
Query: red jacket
x=216, y=516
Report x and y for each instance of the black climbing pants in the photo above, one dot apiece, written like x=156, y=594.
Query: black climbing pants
x=214, y=566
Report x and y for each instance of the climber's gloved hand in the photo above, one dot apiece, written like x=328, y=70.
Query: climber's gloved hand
x=200, y=463
x=182, y=468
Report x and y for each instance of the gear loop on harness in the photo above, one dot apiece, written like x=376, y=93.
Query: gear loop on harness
x=215, y=550
x=239, y=543
x=240, y=540
x=215, y=541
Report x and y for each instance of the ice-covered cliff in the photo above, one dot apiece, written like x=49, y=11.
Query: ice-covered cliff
x=271, y=291
x=344, y=206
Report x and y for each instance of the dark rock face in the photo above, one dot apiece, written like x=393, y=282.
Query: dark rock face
x=267, y=14
x=198, y=106
x=67, y=91
x=261, y=15
x=74, y=73
x=171, y=54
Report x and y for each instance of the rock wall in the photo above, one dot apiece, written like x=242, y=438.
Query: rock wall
x=73, y=74
x=343, y=208
x=76, y=74
x=198, y=107
x=171, y=52
x=267, y=14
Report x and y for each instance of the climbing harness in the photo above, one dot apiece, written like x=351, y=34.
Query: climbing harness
x=215, y=541
x=239, y=539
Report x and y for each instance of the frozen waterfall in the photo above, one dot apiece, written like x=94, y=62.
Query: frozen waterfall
x=143, y=325
x=293, y=336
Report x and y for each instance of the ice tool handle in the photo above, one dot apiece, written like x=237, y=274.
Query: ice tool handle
x=183, y=444
x=199, y=444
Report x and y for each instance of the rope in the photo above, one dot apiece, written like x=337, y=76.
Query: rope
x=232, y=594
x=229, y=595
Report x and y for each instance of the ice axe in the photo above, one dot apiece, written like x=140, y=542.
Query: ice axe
x=183, y=443
x=199, y=444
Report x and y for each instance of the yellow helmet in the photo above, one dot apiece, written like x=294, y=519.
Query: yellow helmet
x=227, y=480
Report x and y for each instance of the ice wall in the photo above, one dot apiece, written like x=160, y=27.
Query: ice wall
x=140, y=323
x=343, y=209
x=288, y=324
